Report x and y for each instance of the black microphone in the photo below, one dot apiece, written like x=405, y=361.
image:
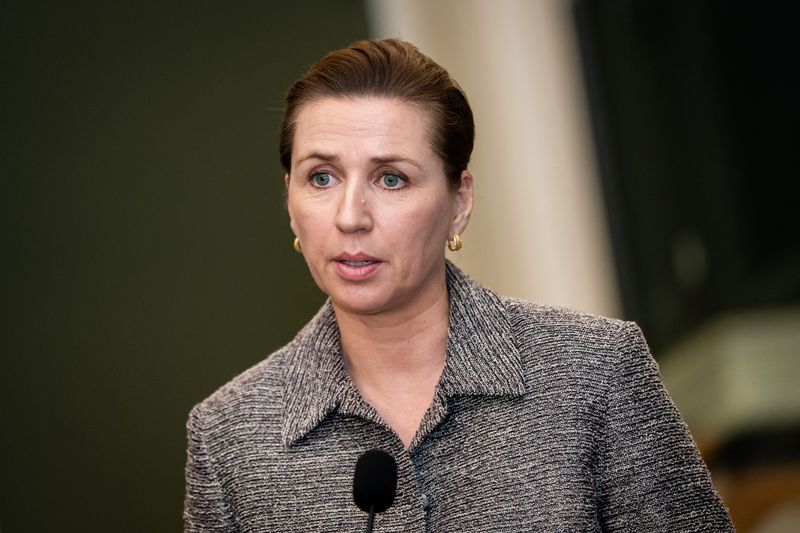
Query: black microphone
x=374, y=483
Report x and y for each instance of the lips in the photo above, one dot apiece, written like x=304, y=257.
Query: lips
x=356, y=267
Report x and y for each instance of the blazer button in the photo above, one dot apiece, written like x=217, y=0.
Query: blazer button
x=426, y=502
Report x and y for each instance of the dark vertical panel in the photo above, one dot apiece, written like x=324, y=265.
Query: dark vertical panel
x=695, y=114
x=146, y=254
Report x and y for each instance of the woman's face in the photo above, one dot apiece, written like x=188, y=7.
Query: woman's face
x=369, y=200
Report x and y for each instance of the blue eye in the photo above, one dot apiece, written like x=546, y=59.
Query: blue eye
x=321, y=179
x=392, y=181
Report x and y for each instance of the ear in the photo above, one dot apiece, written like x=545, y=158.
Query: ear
x=289, y=203
x=462, y=199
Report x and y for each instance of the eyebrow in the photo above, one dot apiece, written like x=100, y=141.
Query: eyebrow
x=395, y=159
x=384, y=159
x=318, y=155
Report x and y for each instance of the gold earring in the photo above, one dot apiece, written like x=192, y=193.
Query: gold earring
x=296, y=245
x=456, y=244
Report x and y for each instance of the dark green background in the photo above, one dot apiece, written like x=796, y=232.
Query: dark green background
x=146, y=254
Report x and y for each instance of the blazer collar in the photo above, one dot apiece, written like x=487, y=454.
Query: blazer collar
x=481, y=359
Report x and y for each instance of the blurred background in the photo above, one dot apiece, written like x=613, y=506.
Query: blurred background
x=633, y=159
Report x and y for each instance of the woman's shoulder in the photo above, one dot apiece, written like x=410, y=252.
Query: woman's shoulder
x=248, y=391
x=577, y=342
x=529, y=317
x=259, y=395
x=265, y=380
x=543, y=331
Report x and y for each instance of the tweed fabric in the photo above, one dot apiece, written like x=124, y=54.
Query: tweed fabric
x=543, y=420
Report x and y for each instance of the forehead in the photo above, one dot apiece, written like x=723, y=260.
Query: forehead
x=365, y=125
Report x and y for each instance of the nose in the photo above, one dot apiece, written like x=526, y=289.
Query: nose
x=354, y=212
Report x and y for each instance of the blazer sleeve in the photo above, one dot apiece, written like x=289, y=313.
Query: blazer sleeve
x=651, y=476
x=205, y=507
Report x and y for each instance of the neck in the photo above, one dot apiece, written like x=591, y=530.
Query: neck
x=396, y=358
x=396, y=346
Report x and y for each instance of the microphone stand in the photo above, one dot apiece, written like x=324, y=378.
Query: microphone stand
x=370, y=518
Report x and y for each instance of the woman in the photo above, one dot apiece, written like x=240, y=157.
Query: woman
x=502, y=415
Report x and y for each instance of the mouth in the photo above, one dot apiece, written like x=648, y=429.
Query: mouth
x=356, y=263
x=356, y=260
x=357, y=267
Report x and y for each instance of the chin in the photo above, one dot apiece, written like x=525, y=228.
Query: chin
x=359, y=304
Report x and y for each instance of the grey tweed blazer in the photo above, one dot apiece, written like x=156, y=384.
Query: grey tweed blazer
x=544, y=420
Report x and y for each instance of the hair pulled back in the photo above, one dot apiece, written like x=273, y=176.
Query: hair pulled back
x=389, y=68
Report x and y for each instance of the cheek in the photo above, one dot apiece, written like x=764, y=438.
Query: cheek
x=301, y=211
x=423, y=228
x=309, y=225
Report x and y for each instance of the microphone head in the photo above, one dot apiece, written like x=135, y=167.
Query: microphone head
x=375, y=481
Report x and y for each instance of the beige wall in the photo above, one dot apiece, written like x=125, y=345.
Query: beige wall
x=538, y=231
